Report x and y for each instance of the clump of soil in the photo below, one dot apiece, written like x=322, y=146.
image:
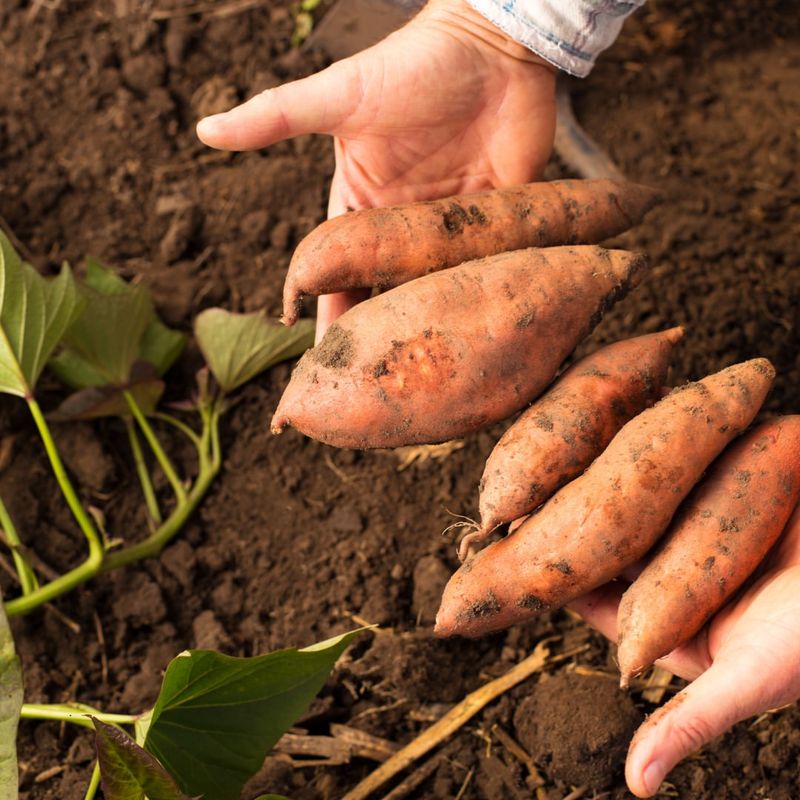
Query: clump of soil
x=577, y=727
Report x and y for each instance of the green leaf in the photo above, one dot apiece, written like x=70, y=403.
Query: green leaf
x=35, y=312
x=128, y=772
x=10, y=705
x=156, y=343
x=217, y=716
x=108, y=400
x=237, y=347
x=108, y=334
x=160, y=345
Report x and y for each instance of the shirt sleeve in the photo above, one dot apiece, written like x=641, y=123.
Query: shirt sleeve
x=568, y=33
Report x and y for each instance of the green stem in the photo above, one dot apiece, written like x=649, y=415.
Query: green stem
x=91, y=566
x=75, y=713
x=143, y=473
x=181, y=426
x=96, y=548
x=27, y=577
x=155, y=446
x=94, y=783
x=210, y=462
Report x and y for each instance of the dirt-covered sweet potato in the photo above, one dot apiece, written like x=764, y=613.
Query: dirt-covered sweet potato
x=719, y=536
x=384, y=247
x=445, y=354
x=608, y=518
x=557, y=438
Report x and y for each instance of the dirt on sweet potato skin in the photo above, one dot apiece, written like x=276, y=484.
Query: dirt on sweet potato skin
x=98, y=155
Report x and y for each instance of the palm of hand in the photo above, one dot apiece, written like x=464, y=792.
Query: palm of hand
x=430, y=113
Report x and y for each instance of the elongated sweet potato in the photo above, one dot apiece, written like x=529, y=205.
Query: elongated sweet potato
x=384, y=247
x=717, y=539
x=557, y=438
x=447, y=353
x=609, y=517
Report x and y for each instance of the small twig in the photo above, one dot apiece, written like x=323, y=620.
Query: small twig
x=63, y=618
x=371, y=712
x=209, y=9
x=49, y=773
x=364, y=744
x=519, y=752
x=577, y=793
x=415, y=779
x=340, y=474
x=452, y=721
x=466, y=783
x=656, y=683
x=101, y=639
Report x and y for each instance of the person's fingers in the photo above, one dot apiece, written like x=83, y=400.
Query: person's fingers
x=331, y=306
x=316, y=104
x=732, y=689
x=599, y=608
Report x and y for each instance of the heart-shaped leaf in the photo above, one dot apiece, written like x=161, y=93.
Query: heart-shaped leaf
x=155, y=342
x=127, y=771
x=217, y=716
x=35, y=312
x=10, y=705
x=160, y=345
x=108, y=334
x=237, y=347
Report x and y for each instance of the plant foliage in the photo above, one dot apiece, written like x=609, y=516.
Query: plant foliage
x=34, y=314
x=237, y=347
x=218, y=716
x=10, y=705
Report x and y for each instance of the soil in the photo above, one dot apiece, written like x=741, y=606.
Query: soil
x=298, y=541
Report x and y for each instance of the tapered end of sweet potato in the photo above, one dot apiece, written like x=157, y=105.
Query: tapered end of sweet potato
x=674, y=335
x=636, y=199
x=292, y=299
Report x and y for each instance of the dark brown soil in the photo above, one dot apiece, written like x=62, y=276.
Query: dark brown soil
x=298, y=541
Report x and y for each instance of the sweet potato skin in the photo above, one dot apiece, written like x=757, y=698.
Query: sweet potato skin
x=563, y=431
x=384, y=247
x=719, y=536
x=609, y=517
x=443, y=355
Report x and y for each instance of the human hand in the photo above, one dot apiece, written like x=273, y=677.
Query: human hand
x=745, y=660
x=447, y=104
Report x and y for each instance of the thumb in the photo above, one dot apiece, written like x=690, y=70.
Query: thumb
x=317, y=104
x=724, y=694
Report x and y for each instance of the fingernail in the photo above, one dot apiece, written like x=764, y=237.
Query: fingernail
x=652, y=776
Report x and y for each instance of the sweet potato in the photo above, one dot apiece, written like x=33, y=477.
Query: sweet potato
x=557, y=438
x=447, y=353
x=608, y=518
x=717, y=539
x=384, y=247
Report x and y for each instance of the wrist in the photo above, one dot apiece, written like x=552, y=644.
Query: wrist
x=459, y=15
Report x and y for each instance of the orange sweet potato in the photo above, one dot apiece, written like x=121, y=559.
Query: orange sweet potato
x=609, y=517
x=557, y=438
x=718, y=538
x=384, y=247
x=447, y=353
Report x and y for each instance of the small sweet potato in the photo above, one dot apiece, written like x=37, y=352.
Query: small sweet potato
x=557, y=438
x=384, y=247
x=717, y=539
x=608, y=518
x=447, y=353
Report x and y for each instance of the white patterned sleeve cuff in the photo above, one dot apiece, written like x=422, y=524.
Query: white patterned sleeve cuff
x=567, y=33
